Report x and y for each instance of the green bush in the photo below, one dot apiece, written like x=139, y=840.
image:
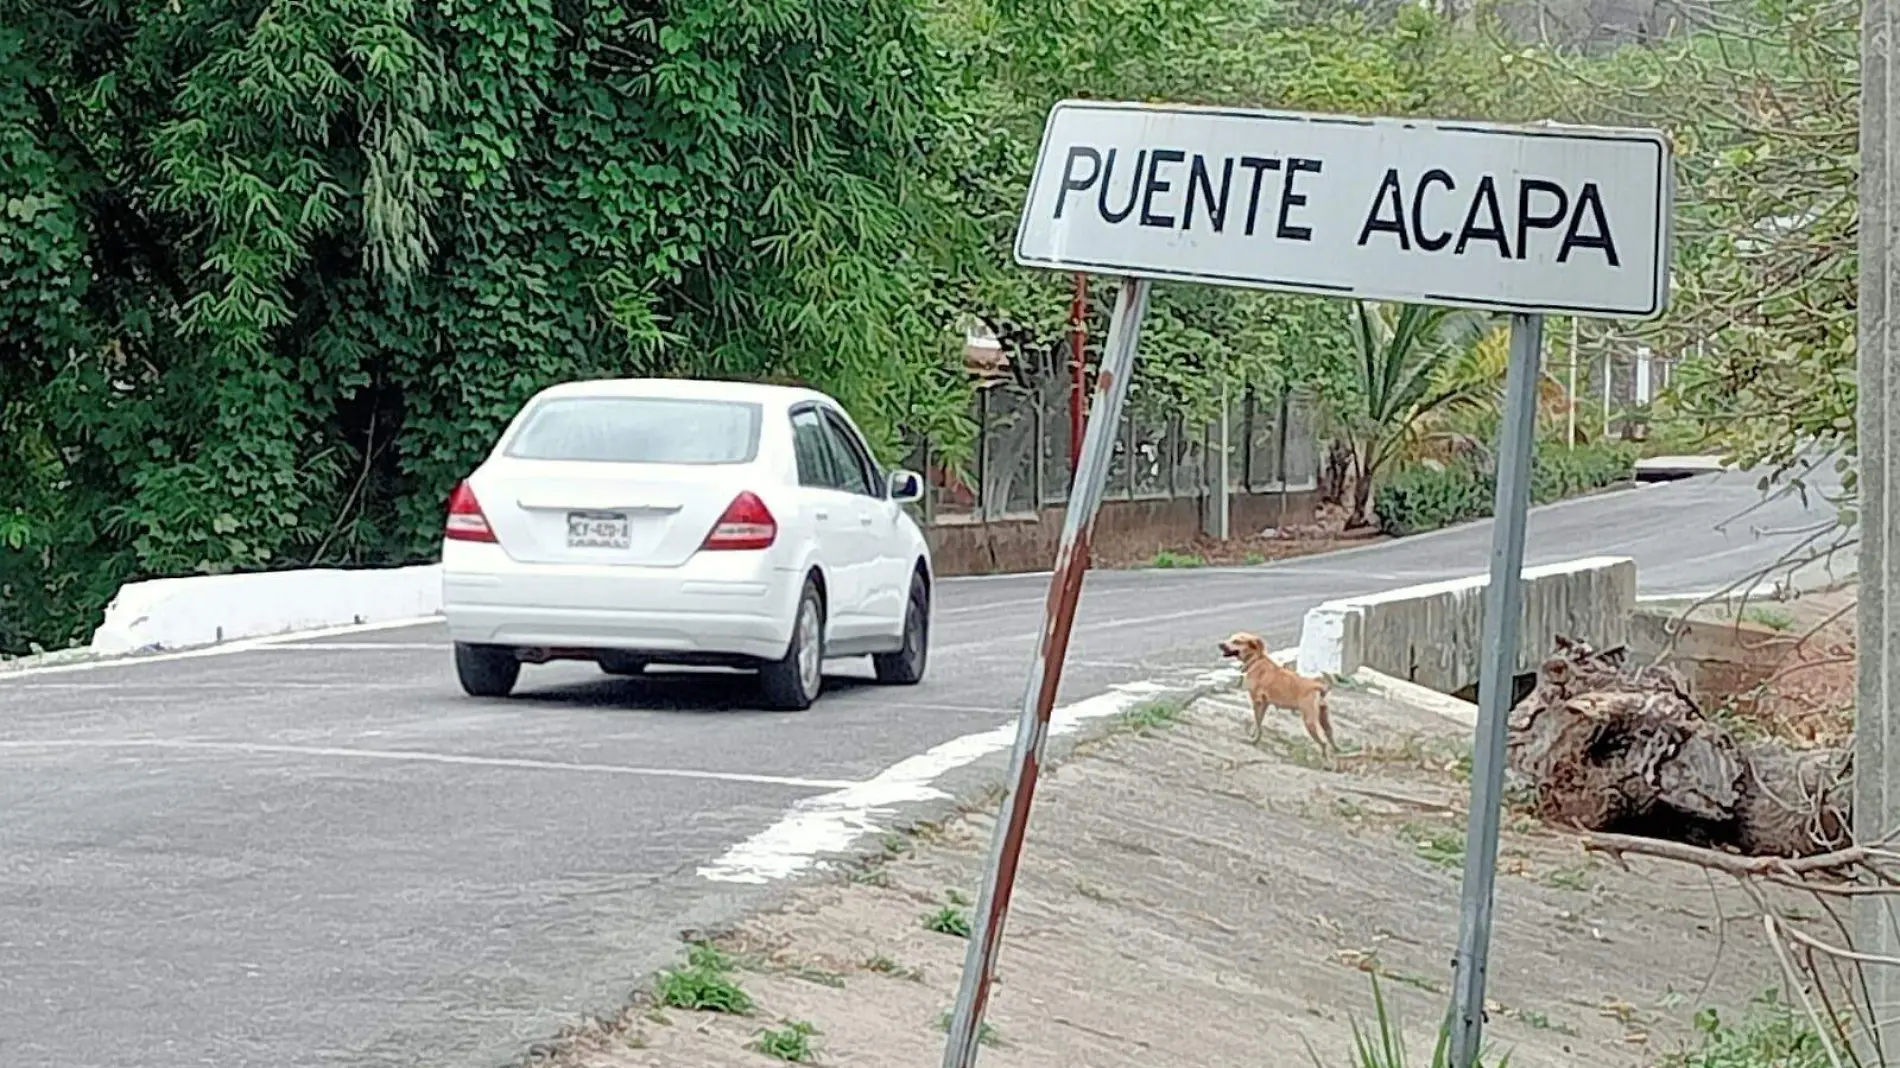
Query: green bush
x=1422, y=498
x=1427, y=497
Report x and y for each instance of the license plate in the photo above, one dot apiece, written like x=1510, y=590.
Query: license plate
x=598, y=530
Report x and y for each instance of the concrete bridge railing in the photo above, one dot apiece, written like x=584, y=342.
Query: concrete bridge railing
x=1432, y=634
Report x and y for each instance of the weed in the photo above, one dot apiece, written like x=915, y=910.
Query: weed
x=1443, y=847
x=703, y=985
x=949, y=920
x=985, y=1034
x=813, y=974
x=1255, y=558
x=1538, y=1021
x=1383, y=1044
x=895, y=845
x=1574, y=878
x=1167, y=559
x=1770, y=616
x=884, y=965
x=792, y=1042
x=1769, y=1036
x=957, y=897
x=871, y=875
x=1299, y=751
x=1348, y=683
x=1152, y=715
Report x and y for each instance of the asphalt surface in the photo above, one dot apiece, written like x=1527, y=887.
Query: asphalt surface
x=321, y=853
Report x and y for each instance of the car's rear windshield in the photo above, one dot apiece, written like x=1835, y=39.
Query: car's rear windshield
x=639, y=430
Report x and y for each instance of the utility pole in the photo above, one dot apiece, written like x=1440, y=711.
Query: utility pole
x=1877, y=733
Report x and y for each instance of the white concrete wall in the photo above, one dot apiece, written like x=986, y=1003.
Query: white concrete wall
x=1432, y=634
x=178, y=613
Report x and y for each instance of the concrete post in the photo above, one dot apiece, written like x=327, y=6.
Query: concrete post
x=1219, y=518
x=1877, y=735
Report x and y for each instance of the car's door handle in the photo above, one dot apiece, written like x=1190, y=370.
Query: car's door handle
x=865, y=520
x=821, y=515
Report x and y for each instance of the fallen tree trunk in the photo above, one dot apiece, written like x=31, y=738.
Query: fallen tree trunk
x=1626, y=750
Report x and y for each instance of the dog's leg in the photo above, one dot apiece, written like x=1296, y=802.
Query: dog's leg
x=1313, y=716
x=1259, y=715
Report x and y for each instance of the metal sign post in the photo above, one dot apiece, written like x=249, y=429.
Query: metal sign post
x=1045, y=671
x=1503, y=604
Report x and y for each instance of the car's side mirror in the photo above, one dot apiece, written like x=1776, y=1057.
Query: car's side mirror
x=906, y=486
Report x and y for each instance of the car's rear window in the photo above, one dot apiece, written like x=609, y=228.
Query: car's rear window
x=639, y=430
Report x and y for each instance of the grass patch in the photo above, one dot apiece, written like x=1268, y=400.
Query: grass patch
x=1381, y=1044
x=1769, y=1035
x=704, y=985
x=1167, y=560
x=1767, y=615
x=1153, y=715
x=986, y=1035
x=1538, y=1021
x=1255, y=558
x=949, y=920
x=1575, y=878
x=790, y=1042
x=1441, y=846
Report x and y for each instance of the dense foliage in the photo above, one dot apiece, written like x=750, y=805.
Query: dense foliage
x=1427, y=496
x=279, y=272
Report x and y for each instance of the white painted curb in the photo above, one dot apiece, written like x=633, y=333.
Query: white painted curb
x=181, y=613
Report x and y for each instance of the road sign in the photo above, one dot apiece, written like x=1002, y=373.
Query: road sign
x=1526, y=219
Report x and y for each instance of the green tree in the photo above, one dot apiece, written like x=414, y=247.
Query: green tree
x=1762, y=101
x=277, y=274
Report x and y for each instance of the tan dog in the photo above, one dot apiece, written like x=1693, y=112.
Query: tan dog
x=1271, y=686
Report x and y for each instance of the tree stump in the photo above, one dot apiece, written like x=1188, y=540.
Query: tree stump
x=1626, y=750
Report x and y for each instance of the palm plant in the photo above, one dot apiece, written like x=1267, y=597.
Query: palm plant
x=1407, y=364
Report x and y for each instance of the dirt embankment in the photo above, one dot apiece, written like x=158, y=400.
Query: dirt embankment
x=1187, y=898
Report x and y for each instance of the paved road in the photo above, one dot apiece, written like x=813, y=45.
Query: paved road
x=320, y=853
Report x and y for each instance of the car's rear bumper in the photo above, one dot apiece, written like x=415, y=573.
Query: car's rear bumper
x=716, y=605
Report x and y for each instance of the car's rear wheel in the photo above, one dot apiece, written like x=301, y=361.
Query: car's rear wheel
x=486, y=670
x=905, y=667
x=792, y=683
x=622, y=664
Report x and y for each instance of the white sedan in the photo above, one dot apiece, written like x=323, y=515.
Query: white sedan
x=663, y=521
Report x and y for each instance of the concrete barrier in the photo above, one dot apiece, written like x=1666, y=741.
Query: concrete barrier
x=178, y=613
x=1432, y=634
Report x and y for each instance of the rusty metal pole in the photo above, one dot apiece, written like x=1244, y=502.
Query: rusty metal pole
x=1078, y=360
x=1045, y=672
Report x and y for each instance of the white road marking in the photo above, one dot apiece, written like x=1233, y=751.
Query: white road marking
x=355, y=684
x=830, y=823
x=361, y=647
x=348, y=753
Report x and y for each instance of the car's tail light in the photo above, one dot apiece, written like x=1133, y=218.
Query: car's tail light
x=466, y=521
x=746, y=524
